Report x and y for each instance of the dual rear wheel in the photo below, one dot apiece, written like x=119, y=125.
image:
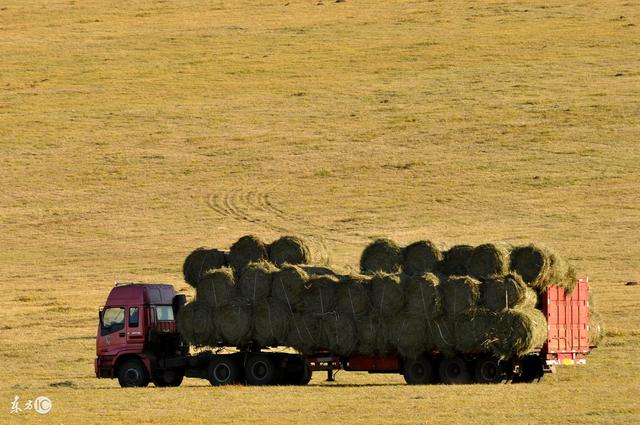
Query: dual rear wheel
x=258, y=369
x=454, y=370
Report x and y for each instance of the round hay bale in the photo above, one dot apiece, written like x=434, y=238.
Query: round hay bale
x=455, y=260
x=199, y=262
x=532, y=263
x=510, y=291
x=459, y=294
x=216, y=288
x=247, y=249
x=519, y=332
x=596, y=329
x=386, y=294
x=475, y=331
x=288, y=250
x=423, y=296
x=441, y=335
x=196, y=324
x=271, y=322
x=339, y=334
x=235, y=321
x=367, y=328
x=255, y=281
x=381, y=255
x=305, y=333
x=289, y=285
x=487, y=260
x=352, y=295
x=408, y=335
x=561, y=273
x=421, y=257
x=320, y=295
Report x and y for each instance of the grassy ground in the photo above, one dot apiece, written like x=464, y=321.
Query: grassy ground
x=131, y=132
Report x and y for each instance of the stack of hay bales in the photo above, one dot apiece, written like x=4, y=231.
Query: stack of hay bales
x=408, y=300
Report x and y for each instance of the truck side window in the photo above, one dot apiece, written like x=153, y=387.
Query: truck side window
x=133, y=317
x=164, y=313
x=112, y=320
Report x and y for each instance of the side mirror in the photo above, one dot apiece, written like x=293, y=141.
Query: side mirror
x=100, y=313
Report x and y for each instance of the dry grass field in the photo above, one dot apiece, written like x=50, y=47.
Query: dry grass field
x=132, y=132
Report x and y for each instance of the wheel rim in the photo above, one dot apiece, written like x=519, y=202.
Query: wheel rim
x=489, y=371
x=259, y=370
x=222, y=373
x=132, y=376
x=454, y=370
x=418, y=370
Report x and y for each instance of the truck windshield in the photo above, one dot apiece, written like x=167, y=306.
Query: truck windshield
x=164, y=313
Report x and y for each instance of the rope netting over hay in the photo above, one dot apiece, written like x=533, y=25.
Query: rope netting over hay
x=409, y=300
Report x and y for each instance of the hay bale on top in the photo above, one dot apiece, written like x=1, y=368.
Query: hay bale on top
x=271, y=322
x=305, y=333
x=423, y=296
x=510, y=291
x=381, y=255
x=459, y=294
x=320, y=295
x=532, y=263
x=289, y=285
x=475, y=331
x=199, y=261
x=455, y=261
x=561, y=273
x=196, y=324
x=339, y=334
x=247, y=249
x=596, y=329
x=408, y=335
x=352, y=295
x=235, y=321
x=488, y=260
x=367, y=329
x=216, y=288
x=255, y=281
x=386, y=294
x=420, y=257
x=288, y=250
x=519, y=332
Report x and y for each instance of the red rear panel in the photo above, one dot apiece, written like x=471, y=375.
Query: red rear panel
x=567, y=319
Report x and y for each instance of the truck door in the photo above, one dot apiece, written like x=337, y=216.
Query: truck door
x=112, y=332
x=135, y=325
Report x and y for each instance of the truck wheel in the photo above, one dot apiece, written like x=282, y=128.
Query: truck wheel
x=454, y=370
x=168, y=378
x=223, y=370
x=490, y=370
x=298, y=372
x=532, y=369
x=260, y=369
x=132, y=373
x=418, y=371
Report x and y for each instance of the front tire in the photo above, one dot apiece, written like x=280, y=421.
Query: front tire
x=132, y=373
x=418, y=371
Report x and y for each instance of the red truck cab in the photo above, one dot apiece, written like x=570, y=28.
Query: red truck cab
x=137, y=326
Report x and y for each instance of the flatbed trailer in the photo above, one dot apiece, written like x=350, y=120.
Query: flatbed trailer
x=138, y=343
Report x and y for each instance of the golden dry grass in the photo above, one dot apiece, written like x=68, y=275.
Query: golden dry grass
x=131, y=132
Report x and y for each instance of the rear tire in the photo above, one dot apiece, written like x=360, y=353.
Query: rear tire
x=132, y=373
x=261, y=369
x=297, y=372
x=454, y=370
x=490, y=370
x=223, y=370
x=419, y=371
